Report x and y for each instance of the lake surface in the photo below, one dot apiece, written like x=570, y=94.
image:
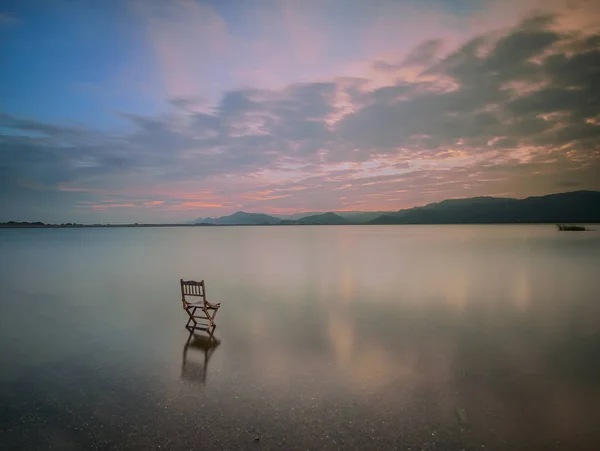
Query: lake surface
x=329, y=337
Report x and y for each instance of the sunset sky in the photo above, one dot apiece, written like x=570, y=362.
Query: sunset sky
x=164, y=111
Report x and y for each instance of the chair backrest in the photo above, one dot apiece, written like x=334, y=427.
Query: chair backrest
x=192, y=288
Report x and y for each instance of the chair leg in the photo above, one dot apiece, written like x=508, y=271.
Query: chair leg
x=191, y=319
x=211, y=319
x=191, y=311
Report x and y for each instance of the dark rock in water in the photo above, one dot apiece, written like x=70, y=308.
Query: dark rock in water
x=570, y=228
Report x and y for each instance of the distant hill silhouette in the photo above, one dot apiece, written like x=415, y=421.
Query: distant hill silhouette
x=572, y=207
x=296, y=216
x=355, y=217
x=360, y=217
x=241, y=218
x=577, y=206
x=325, y=218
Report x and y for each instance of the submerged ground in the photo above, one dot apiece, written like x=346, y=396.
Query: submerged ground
x=375, y=337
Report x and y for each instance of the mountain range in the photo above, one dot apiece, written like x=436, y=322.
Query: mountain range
x=575, y=207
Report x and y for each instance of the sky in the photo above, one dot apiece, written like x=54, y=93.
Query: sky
x=121, y=111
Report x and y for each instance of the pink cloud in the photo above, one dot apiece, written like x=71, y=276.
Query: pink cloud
x=194, y=206
x=261, y=198
x=154, y=203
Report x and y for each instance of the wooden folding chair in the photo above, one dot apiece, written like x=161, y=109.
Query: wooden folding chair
x=200, y=310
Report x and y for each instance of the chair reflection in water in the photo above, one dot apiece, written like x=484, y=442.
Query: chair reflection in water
x=201, y=339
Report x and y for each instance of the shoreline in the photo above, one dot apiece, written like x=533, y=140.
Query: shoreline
x=81, y=226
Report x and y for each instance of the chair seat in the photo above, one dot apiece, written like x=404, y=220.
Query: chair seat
x=200, y=304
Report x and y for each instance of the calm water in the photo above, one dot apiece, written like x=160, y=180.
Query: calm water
x=380, y=337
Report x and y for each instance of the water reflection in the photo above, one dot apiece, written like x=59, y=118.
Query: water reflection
x=505, y=363
x=333, y=338
x=202, y=343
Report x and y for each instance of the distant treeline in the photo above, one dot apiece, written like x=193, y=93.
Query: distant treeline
x=38, y=224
